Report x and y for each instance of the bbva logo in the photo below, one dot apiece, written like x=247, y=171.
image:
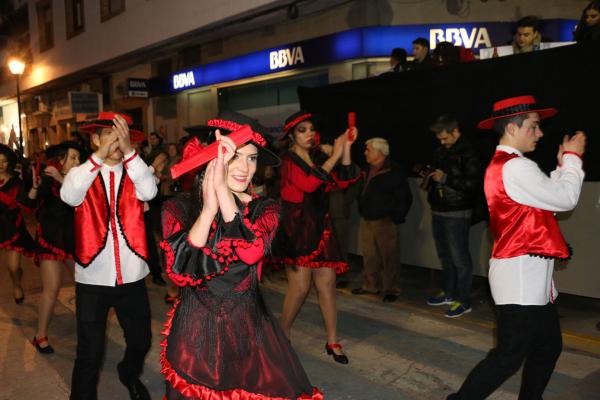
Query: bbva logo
x=283, y=58
x=460, y=37
x=184, y=80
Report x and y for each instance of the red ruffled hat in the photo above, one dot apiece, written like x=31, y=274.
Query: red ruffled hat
x=105, y=120
x=295, y=119
x=241, y=128
x=515, y=106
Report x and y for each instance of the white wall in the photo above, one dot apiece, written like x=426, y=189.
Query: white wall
x=143, y=23
x=581, y=229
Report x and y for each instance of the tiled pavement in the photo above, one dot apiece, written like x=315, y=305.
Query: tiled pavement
x=398, y=351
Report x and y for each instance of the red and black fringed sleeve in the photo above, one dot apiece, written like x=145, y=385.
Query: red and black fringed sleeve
x=343, y=176
x=244, y=240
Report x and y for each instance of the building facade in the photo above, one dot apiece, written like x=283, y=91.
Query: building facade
x=122, y=55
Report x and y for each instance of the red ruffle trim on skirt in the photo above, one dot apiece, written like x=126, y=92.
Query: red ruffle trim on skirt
x=58, y=253
x=20, y=250
x=203, y=392
x=307, y=260
x=8, y=245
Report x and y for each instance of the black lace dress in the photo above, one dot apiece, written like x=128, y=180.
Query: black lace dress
x=306, y=238
x=13, y=233
x=55, y=232
x=221, y=341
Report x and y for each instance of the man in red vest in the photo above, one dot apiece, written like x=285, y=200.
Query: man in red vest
x=111, y=254
x=522, y=201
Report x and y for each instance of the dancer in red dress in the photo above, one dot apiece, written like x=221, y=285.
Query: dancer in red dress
x=15, y=241
x=221, y=340
x=306, y=243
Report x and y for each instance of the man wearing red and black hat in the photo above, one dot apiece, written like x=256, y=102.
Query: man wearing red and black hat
x=522, y=201
x=108, y=192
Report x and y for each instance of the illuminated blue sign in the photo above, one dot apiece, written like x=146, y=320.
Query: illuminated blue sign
x=184, y=80
x=358, y=43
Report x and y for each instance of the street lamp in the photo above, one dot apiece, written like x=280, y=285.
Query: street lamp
x=16, y=68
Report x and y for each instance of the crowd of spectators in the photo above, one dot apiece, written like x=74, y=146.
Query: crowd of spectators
x=527, y=38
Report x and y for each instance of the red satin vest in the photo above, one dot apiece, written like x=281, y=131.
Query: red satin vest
x=519, y=229
x=92, y=221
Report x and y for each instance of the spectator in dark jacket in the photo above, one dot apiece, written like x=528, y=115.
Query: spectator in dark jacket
x=398, y=61
x=453, y=182
x=588, y=28
x=383, y=203
x=421, y=57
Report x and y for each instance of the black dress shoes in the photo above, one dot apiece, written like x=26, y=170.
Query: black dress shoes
x=137, y=390
x=43, y=350
x=341, y=358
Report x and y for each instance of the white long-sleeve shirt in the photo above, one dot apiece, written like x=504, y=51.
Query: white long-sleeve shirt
x=527, y=280
x=102, y=270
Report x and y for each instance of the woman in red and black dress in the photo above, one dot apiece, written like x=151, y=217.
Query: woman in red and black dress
x=222, y=341
x=14, y=238
x=55, y=230
x=305, y=242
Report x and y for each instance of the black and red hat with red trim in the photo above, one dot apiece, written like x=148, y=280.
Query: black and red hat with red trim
x=105, y=120
x=295, y=119
x=514, y=106
x=231, y=121
x=228, y=123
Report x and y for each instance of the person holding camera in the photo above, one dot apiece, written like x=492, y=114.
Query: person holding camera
x=523, y=201
x=452, y=183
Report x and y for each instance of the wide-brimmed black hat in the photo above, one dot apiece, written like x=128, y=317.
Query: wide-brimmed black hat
x=202, y=132
x=246, y=130
x=295, y=119
x=56, y=149
x=230, y=121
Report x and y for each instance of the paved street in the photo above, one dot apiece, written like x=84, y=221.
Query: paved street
x=400, y=351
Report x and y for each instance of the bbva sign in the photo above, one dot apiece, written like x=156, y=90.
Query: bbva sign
x=184, y=80
x=460, y=37
x=286, y=57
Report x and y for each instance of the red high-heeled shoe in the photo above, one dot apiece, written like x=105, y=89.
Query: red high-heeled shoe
x=44, y=350
x=341, y=358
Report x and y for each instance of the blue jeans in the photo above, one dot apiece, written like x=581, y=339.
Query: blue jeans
x=451, y=237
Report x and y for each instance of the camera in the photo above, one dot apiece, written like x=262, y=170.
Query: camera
x=425, y=174
x=425, y=171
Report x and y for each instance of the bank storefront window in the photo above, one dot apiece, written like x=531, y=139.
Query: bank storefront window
x=268, y=93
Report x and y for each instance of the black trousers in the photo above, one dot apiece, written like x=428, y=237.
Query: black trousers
x=133, y=312
x=529, y=334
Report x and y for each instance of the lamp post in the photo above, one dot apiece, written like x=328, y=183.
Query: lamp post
x=16, y=68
